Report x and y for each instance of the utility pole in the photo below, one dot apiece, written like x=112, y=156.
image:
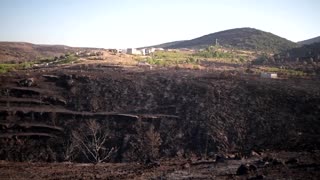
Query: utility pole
x=217, y=42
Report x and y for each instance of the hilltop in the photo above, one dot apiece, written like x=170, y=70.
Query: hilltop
x=240, y=38
x=310, y=41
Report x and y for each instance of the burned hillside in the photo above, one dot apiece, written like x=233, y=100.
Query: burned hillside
x=149, y=115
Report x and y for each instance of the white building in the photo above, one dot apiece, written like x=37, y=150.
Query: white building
x=133, y=51
x=268, y=75
x=143, y=51
x=159, y=49
x=150, y=50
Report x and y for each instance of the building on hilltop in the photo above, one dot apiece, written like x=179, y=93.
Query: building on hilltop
x=133, y=51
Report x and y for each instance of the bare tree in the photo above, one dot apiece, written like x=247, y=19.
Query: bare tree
x=92, y=142
x=71, y=149
x=153, y=142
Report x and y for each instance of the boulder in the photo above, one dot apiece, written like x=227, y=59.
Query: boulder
x=242, y=170
x=292, y=161
x=27, y=82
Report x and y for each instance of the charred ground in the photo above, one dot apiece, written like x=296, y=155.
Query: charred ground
x=153, y=115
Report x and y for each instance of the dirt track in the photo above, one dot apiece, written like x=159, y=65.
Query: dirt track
x=307, y=167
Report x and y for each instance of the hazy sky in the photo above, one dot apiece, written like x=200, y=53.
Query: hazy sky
x=135, y=23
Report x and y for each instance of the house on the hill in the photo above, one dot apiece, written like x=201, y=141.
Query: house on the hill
x=269, y=75
x=133, y=51
x=143, y=51
x=149, y=51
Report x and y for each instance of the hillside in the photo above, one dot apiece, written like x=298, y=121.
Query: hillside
x=241, y=38
x=164, y=45
x=310, y=41
x=304, y=52
x=22, y=51
x=156, y=119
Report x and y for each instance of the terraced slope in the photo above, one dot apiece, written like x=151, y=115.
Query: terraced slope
x=186, y=112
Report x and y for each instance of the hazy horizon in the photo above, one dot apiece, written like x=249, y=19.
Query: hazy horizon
x=125, y=23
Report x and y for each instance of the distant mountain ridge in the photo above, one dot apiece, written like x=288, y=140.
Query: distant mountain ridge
x=310, y=41
x=305, y=52
x=164, y=45
x=241, y=38
x=23, y=51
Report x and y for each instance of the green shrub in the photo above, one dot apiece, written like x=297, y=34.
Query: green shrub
x=68, y=59
x=262, y=59
x=7, y=67
x=170, y=58
x=212, y=53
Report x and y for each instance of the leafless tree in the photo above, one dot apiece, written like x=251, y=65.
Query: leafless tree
x=92, y=140
x=153, y=142
x=71, y=149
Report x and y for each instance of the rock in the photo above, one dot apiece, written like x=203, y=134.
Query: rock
x=252, y=168
x=70, y=82
x=260, y=163
x=231, y=156
x=151, y=163
x=242, y=170
x=26, y=82
x=98, y=176
x=51, y=77
x=272, y=161
x=276, y=162
x=237, y=157
x=249, y=71
x=220, y=158
x=256, y=177
x=255, y=153
x=292, y=161
x=186, y=166
x=267, y=159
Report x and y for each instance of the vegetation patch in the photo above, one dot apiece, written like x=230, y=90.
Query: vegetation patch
x=7, y=67
x=63, y=59
x=216, y=53
x=67, y=59
x=170, y=58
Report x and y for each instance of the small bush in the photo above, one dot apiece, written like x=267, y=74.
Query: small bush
x=7, y=67
x=262, y=59
x=68, y=59
x=170, y=58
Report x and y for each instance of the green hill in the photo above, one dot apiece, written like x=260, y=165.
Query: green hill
x=164, y=45
x=240, y=38
x=304, y=52
x=310, y=41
